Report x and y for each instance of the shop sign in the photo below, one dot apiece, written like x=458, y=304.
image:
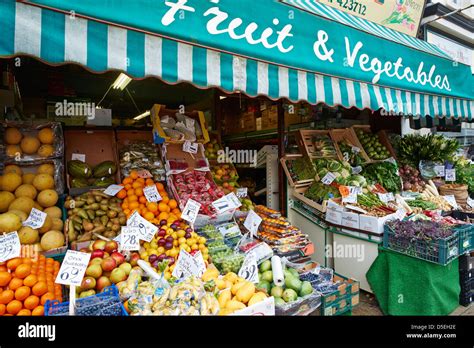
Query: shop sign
x=458, y=52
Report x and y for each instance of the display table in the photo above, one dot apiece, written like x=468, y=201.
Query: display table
x=404, y=285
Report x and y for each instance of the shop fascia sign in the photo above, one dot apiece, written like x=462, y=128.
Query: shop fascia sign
x=274, y=32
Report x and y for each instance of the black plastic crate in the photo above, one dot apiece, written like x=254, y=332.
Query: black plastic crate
x=466, y=263
x=466, y=298
x=467, y=285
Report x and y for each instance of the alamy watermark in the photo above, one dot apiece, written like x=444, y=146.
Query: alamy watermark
x=346, y=251
x=237, y=156
x=28, y=330
x=70, y=109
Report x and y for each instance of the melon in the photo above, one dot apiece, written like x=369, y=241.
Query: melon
x=30, y=145
x=13, y=150
x=47, y=226
x=28, y=178
x=13, y=136
x=57, y=224
x=47, y=198
x=26, y=190
x=54, y=212
x=12, y=168
x=24, y=204
x=46, y=150
x=43, y=182
x=10, y=182
x=46, y=136
x=28, y=235
x=46, y=168
x=5, y=200
x=21, y=214
x=9, y=222
x=51, y=240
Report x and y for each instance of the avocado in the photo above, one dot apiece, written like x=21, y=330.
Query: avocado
x=293, y=283
x=306, y=289
x=289, y=295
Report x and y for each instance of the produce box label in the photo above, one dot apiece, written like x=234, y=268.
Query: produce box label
x=328, y=178
x=78, y=157
x=146, y=230
x=252, y=222
x=73, y=268
x=233, y=200
x=35, y=219
x=151, y=194
x=10, y=246
x=222, y=205
x=191, y=211
x=249, y=269
x=439, y=170
x=112, y=190
x=350, y=220
x=130, y=239
x=451, y=201
x=188, y=266
x=450, y=175
x=190, y=147
x=242, y=192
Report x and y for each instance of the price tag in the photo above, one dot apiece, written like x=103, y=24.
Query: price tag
x=386, y=197
x=356, y=170
x=222, y=205
x=351, y=198
x=355, y=149
x=439, y=170
x=470, y=202
x=226, y=229
x=189, y=265
x=151, y=193
x=73, y=268
x=112, y=190
x=130, y=239
x=249, y=269
x=78, y=157
x=252, y=222
x=143, y=173
x=328, y=178
x=35, y=219
x=233, y=200
x=10, y=246
x=146, y=230
x=200, y=264
x=451, y=201
x=450, y=175
x=400, y=214
x=190, y=147
x=242, y=192
x=191, y=211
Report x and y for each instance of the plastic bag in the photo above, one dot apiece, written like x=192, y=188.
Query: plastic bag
x=428, y=170
x=303, y=306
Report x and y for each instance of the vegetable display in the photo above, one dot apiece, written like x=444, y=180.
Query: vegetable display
x=351, y=156
x=301, y=169
x=411, y=178
x=384, y=173
x=323, y=147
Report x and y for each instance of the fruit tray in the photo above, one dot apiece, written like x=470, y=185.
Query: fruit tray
x=382, y=136
x=293, y=180
x=106, y=303
x=339, y=135
x=306, y=143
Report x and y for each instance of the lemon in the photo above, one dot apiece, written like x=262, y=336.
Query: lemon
x=174, y=235
x=202, y=247
x=183, y=246
x=152, y=251
x=194, y=247
x=160, y=250
x=182, y=240
x=190, y=241
x=181, y=233
x=202, y=240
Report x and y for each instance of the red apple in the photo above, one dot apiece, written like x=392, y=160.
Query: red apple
x=97, y=253
x=118, y=275
x=134, y=259
x=118, y=257
x=94, y=271
x=99, y=245
x=111, y=246
x=102, y=283
x=88, y=283
x=108, y=264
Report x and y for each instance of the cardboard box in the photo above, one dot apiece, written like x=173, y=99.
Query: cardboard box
x=373, y=223
x=247, y=122
x=334, y=213
x=350, y=219
x=270, y=117
x=102, y=117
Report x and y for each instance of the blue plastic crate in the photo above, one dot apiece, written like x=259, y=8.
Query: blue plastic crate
x=53, y=308
x=466, y=237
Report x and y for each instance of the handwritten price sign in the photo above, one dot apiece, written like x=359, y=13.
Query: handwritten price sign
x=146, y=230
x=10, y=246
x=73, y=268
x=35, y=219
x=191, y=211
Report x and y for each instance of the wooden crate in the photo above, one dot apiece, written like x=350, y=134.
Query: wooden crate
x=298, y=193
x=305, y=143
x=284, y=163
x=338, y=135
x=383, y=138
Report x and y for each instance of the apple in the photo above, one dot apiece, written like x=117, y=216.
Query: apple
x=118, y=257
x=106, y=274
x=118, y=275
x=87, y=293
x=102, y=283
x=94, y=271
x=88, y=283
x=96, y=261
x=97, y=253
x=108, y=264
x=99, y=245
x=126, y=267
x=111, y=246
x=106, y=254
x=134, y=259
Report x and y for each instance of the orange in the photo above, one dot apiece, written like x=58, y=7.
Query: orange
x=162, y=207
x=141, y=181
x=56, y=265
x=149, y=216
x=132, y=198
x=40, y=288
x=41, y=277
x=3, y=268
x=38, y=311
x=23, y=271
x=173, y=204
x=49, y=270
x=142, y=199
x=133, y=205
x=126, y=211
x=160, y=186
x=139, y=192
x=125, y=205
x=15, y=283
x=136, y=185
x=14, y=307
x=165, y=199
x=176, y=211
x=31, y=302
x=163, y=216
x=121, y=194
x=3, y=308
x=5, y=278
x=128, y=186
x=27, y=261
x=24, y=312
x=127, y=181
x=47, y=296
x=130, y=193
x=6, y=296
x=14, y=263
x=152, y=206
x=149, y=182
x=134, y=174
x=22, y=292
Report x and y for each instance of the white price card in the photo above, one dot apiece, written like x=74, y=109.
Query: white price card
x=328, y=178
x=35, y=219
x=191, y=211
x=242, y=192
x=450, y=175
x=73, y=268
x=200, y=264
x=151, y=194
x=78, y=157
x=249, y=269
x=252, y=222
x=470, y=202
x=10, y=246
x=439, y=170
x=233, y=200
x=222, y=205
x=400, y=214
x=356, y=170
x=355, y=149
x=351, y=198
x=188, y=266
x=130, y=238
x=451, y=201
x=190, y=147
x=112, y=190
x=146, y=230
x=386, y=197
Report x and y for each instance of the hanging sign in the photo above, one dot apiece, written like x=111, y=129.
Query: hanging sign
x=252, y=222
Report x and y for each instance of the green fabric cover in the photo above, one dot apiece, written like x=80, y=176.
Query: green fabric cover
x=404, y=285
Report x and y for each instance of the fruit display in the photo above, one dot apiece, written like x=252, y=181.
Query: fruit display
x=411, y=178
x=26, y=284
x=225, y=176
x=211, y=150
x=349, y=154
x=372, y=145
x=323, y=146
x=141, y=155
x=83, y=175
x=29, y=143
x=93, y=213
x=134, y=200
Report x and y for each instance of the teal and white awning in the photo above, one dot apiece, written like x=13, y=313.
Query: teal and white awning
x=56, y=38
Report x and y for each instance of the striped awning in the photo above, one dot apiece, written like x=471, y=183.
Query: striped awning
x=56, y=38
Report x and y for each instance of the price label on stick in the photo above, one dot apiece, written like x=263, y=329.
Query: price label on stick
x=242, y=192
x=439, y=170
x=129, y=238
x=190, y=147
x=328, y=178
x=10, y=246
x=233, y=200
x=112, y=190
x=450, y=175
x=187, y=265
x=191, y=211
x=73, y=268
x=151, y=194
x=222, y=205
x=35, y=219
x=252, y=222
x=249, y=269
x=146, y=230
